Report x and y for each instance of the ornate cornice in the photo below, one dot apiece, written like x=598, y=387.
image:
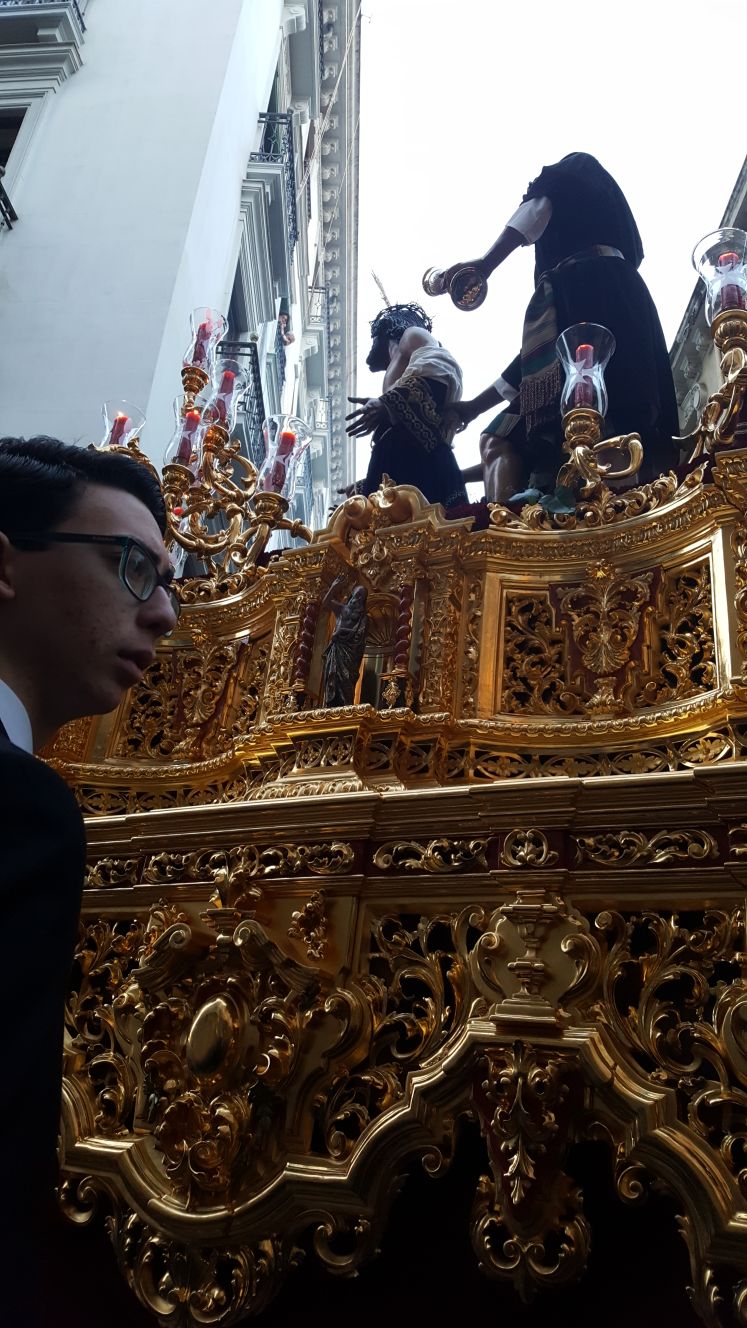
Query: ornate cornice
x=339, y=187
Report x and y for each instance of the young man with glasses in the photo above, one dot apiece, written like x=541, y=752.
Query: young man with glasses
x=85, y=594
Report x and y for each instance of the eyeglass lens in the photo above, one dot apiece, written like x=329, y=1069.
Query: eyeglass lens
x=140, y=575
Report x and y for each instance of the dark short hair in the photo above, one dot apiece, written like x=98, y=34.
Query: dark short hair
x=40, y=479
x=393, y=321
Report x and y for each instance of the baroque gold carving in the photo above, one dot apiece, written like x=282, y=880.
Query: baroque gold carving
x=183, y=1284
x=535, y=670
x=604, y=613
x=685, y=1012
x=309, y=924
x=197, y=1038
x=626, y=847
x=684, y=650
x=527, y=848
x=485, y=764
x=438, y=856
x=328, y=859
x=472, y=628
x=527, y=1223
x=604, y=508
x=439, y=668
x=604, y=618
x=227, y=868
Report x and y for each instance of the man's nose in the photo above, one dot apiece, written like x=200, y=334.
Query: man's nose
x=157, y=612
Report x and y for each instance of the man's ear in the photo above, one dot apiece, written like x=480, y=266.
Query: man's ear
x=7, y=568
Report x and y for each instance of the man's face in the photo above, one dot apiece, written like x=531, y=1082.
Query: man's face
x=378, y=356
x=78, y=635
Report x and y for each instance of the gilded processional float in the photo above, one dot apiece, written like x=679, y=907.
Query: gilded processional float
x=501, y=876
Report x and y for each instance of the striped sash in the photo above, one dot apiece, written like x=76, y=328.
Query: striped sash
x=541, y=372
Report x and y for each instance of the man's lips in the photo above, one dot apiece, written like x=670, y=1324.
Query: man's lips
x=140, y=658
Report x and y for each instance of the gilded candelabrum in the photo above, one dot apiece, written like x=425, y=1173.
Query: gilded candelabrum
x=718, y=424
x=194, y=380
x=584, y=446
x=223, y=492
x=214, y=509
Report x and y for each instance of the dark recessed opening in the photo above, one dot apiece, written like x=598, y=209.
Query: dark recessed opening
x=10, y=125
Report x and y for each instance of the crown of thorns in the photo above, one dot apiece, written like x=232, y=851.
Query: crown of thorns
x=393, y=320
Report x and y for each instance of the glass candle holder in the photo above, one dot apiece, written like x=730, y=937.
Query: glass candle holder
x=584, y=351
x=122, y=422
x=185, y=445
x=720, y=261
x=208, y=328
x=286, y=439
x=229, y=383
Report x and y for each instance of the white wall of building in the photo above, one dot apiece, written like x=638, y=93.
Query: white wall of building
x=128, y=200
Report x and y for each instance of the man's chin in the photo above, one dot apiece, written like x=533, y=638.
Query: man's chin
x=107, y=695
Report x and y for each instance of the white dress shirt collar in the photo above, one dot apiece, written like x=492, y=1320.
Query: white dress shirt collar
x=15, y=719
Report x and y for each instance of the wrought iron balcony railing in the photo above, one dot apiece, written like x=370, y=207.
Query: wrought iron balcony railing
x=277, y=146
x=252, y=404
x=77, y=6
x=8, y=213
x=320, y=21
x=280, y=355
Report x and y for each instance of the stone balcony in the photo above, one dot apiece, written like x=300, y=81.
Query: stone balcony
x=41, y=40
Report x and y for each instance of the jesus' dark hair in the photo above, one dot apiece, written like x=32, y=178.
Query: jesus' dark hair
x=396, y=318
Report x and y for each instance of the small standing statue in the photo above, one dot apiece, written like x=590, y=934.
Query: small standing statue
x=343, y=656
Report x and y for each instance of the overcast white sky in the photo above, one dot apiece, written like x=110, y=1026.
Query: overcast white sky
x=463, y=102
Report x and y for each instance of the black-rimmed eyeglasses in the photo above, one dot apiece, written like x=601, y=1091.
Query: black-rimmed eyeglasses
x=138, y=569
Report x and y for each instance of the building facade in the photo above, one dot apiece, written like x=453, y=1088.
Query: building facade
x=161, y=158
x=695, y=360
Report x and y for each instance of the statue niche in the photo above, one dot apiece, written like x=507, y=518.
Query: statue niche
x=343, y=656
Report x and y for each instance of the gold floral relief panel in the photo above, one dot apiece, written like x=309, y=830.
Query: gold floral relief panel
x=536, y=678
x=679, y=658
x=192, y=703
x=613, y=643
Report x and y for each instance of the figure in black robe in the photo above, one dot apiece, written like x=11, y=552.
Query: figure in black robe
x=587, y=255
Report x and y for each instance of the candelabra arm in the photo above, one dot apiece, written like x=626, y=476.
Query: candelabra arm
x=246, y=553
x=297, y=529
x=220, y=457
x=585, y=447
x=624, y=442
x=718, y=422
x=269, y=515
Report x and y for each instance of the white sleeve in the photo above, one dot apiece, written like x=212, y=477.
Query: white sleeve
x=531, y=218
x=508, y=392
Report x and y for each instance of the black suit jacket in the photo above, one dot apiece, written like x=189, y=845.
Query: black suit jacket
x=42, y=857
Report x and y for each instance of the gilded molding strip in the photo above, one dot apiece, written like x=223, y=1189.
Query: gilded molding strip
x=222, y=866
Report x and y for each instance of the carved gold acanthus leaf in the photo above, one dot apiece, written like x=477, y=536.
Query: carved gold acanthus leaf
x=438, y=856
